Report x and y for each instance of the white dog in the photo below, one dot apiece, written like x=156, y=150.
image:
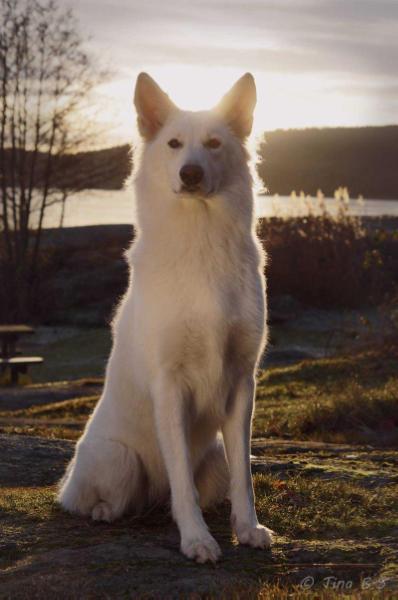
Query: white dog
x=188, y=333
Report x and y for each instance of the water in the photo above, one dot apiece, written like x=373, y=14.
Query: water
x=103, y=207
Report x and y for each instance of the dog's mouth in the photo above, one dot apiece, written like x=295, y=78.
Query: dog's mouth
x=197, y=191
x=192, y=189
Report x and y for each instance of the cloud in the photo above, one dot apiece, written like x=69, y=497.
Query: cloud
x=348, y=45
x=287, y=35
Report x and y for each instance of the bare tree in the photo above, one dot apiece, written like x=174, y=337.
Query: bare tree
x=45, y=75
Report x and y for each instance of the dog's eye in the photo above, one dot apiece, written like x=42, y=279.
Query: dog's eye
x=174, y=143
x=213, y=143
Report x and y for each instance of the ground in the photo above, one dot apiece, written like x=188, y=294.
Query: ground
x=325, y=466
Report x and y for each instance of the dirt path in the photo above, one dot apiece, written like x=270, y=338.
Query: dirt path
x=17, y=398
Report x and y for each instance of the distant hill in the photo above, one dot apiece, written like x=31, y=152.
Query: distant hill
x=363, y=159
x=105, y=169
x=97, y=169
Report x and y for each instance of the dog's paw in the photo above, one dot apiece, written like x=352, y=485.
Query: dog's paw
x=257, y=537
x=102, y=512
x=201, y=549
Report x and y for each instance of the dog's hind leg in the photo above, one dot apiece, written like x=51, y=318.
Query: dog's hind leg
x=212, y=476
x=102, y=480
x=119, y=490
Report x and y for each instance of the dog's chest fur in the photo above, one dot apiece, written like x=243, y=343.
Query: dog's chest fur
x=203, y=299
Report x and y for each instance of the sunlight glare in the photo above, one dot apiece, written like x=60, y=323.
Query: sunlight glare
x=284, y=101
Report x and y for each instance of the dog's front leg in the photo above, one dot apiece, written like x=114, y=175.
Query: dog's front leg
x=237, y=436
x=196, y=541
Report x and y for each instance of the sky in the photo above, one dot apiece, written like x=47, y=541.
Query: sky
x=316, y=62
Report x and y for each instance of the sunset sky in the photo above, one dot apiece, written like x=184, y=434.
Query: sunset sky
x=316, y=62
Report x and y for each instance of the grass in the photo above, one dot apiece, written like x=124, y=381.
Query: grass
x=77, y=408
x=294, y=507
x=350, y=399
x=65, y=419
x=334, y=511
x=345, y=399
x=299, y=507
x=48, y=430
x=71, y=356
x=337, y=526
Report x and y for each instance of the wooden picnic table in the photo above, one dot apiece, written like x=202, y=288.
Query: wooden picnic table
x=9, y=335
x=18, y=365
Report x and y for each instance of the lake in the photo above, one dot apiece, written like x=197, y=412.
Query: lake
x=103, y=207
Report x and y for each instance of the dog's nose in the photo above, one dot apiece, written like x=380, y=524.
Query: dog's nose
x=191, y=175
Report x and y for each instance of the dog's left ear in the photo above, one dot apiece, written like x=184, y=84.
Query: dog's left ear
x=237, y=106
x=152, y=104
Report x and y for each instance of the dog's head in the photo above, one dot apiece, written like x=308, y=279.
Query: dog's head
x=195, y=153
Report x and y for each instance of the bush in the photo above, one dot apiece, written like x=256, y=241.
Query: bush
x=322, y=258
x=328, y=258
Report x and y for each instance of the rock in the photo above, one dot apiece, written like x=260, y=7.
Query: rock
x=48, y=553
x=14, y=398
x=32, y=461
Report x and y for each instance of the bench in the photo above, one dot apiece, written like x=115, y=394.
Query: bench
x=19, y=365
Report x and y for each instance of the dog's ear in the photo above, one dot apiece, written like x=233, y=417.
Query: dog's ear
x=237, y=106
x=153, y=106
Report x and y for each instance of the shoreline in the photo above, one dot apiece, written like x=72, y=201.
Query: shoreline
x=81, y=233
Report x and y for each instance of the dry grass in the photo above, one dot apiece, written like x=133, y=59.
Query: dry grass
x=350, y=399
x=346, y=399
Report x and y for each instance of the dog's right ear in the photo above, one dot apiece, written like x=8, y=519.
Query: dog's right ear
x=152, y=104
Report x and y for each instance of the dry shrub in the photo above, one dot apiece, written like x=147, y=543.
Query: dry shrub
x=327, y=258
x=322, y=258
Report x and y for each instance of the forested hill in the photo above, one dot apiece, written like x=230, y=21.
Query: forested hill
x=363, y=159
